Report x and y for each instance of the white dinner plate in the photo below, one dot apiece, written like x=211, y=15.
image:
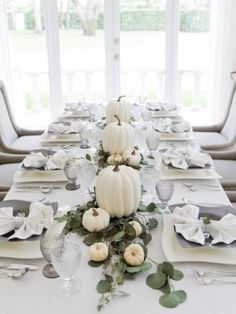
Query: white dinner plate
x=174, y=252
x=39, y=176
x=195, y=174
x=62, y=138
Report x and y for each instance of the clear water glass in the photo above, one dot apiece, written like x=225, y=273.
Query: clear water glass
x=66, y=258
x=87, y=172
x=146, y=116
x=71, y=173
x=149, y=177
x=47, y=243
x=165, y=191
x=152, y=141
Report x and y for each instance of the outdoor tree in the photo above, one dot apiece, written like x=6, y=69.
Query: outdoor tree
x=88, y=11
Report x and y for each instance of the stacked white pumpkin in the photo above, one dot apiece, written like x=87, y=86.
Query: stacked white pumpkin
x=118, y=188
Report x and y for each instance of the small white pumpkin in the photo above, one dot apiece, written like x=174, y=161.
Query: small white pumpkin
x=132, y=156
x=134, y=255
x=120, y=108
x=117, y=137
x=137, y=227
x=98, y=252
x=115, y=159
x=95, y=219
x=118, y=190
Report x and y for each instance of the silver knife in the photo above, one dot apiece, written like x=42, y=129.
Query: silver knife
x=19, y=266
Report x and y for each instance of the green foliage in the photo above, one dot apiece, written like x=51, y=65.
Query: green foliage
x=161, y=281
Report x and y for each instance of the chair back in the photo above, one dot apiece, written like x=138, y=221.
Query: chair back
x=229, y=127
x=7, y=130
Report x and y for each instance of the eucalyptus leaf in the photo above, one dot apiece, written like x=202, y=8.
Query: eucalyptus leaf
x=169, y=300
x=156, y=280
x=177, y=275
x=167, y=268
x=88, y=157
x=181, y=294
x=129, y=276
x=144, y=249
x=103, y=286
x=118, y=236
x=151, y=207
x=152, y=223
x=147, y=237
x=166, y=288
x=136, y=269
x=95, y=264
x=109, y=278
x=130, y=231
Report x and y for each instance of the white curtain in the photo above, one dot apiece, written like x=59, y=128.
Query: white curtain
x=223, y=56
x=5, y=73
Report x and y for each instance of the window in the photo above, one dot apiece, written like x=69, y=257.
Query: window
x=29, y=61
x=82, y=49
x=72, y=50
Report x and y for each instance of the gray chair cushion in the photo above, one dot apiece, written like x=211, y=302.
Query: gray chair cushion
x=7, y=172
x=29, y=143
x=227, y=169
x=210, y=138
x=2, y=195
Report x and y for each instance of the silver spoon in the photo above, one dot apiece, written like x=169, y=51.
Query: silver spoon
x=209, y=281
x=16, y=274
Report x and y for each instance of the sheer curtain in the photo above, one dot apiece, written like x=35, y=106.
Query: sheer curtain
x=223, y=30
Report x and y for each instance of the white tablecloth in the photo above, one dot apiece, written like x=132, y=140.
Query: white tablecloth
x=33, y=294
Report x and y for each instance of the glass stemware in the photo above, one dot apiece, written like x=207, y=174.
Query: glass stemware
x=164, y=190
x=71, y=172
x=47, y=243
x=149, y=176
x=146, y=116
x=152, y=141
x=66, y=257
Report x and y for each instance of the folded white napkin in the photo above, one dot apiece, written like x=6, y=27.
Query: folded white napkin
x=181, y=127
x=58, y=128
x=154, y=106
x=35, y=160
x=167, y=106
x=40, y=217
x=187, y=223
x=184, y=158
x=223, y=230
x=58, y=160
x=73, y=106
x=77, y=126
x=163, y=125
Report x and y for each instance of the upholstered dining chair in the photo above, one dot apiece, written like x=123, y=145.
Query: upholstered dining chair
x=9, y=164
x=223, y=135
x=12, y=138
x=225, y=165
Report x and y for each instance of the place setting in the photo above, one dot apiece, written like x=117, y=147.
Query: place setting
x=162, y=109
x=186, y=163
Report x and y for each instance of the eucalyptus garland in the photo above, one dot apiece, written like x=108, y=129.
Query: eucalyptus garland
x=119, y=235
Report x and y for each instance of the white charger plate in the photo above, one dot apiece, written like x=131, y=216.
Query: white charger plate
x=39, y=176
x=195, y=174
x=174, y=252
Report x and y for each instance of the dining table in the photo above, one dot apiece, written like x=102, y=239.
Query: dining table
x=34, y=293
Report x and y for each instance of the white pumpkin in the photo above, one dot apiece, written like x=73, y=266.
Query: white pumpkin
x=95, y=219
x=137, y=227
x=117, y=137
x=98, y=252
x=120, y=108
x=114, y=159
x=132, y=156
x=134, y=255
x=118, y=190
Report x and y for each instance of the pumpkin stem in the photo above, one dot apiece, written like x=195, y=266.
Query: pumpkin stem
x=95, y=213
x=133, y=152
x=116, y=168
x=118, y=100
x=118, y=119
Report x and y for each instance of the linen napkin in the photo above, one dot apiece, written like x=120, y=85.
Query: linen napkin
x=186, y=222
x=167, y=106
x=40, y=217
x=58, y=160
x=35, y=160
x=163, y=125
x=155, y=106
x=58, y=128
x=180, y=127
x=223, y=230
x=73, y=106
